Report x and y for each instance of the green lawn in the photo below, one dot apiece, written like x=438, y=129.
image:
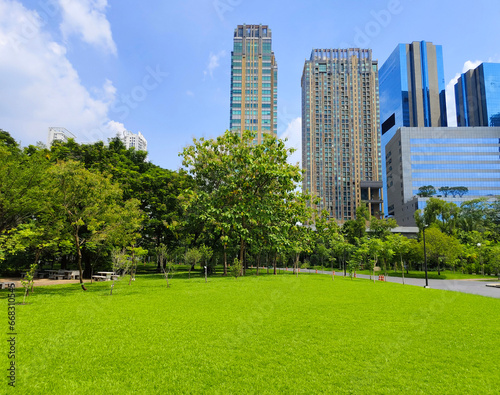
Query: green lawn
x=266, y=334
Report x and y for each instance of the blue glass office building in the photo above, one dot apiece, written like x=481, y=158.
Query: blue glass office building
x=442, y=157
x=477, y=96
x=412, y=94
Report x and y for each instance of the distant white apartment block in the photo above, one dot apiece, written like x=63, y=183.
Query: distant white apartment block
x=59, y=134
x=138, y=141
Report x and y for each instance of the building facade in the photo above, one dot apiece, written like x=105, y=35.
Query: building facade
x=59, y=134
x=137, y=141
x=477, y=96
x=440, y=157
x=254, y=82
x=412, y=92
x=340, y=131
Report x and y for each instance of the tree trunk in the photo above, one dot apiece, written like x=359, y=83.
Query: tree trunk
x=274, y=263
x=132, y=269
x=79, y=252
x=258, y=263
x=402, y=268
x=242, y=248
x=225, y=261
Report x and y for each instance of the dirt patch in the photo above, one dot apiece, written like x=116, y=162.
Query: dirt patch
x=42, y=281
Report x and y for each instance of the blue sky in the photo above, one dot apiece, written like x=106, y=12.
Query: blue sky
x=97, y=67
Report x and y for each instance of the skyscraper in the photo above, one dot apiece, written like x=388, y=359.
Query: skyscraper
x=412, y=94
x=340, y=131
x=254, y=81
x=477, y=96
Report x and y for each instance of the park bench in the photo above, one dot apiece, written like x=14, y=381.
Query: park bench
x=72, y=274
x=42, y=274
x=59, y=275
x=99, y=278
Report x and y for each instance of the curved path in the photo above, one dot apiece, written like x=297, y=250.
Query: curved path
x=467, y=286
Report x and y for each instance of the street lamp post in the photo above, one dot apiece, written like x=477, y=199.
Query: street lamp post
x=480, y=258
x=425, y=259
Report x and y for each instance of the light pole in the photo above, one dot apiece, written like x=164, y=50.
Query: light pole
x=205, y=274
x=425, y=259
x=480, y=258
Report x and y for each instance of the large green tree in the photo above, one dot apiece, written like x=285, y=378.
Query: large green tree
x=90, y=206
x=243, y=189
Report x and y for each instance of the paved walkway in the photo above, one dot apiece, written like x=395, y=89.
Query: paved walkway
x=467, y=286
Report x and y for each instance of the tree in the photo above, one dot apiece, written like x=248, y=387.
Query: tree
x=137, y=253
x=440, y=246
x=474, y=215
x=437, y=211
x=6, y=140
x=155, y=188
x=444, y=191
x=242, y=189
x=236, y=268
x=356, y=229
x=88, y=205
x=193, y=256
x=381, y=228
x=461, y=191
x=24, y=186
x=375, y=248
x=426, y=191
x=206, y=255
x=400, y=245
x=121, y=263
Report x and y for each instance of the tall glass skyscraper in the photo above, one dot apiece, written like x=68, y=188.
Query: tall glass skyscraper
x=254, y=81
x=412, y=93
x=340, y=131
x=477, y=96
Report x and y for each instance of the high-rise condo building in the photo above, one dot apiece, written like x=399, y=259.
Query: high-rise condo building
x=477, y=96
x=340, y=131
x=138, y=141
x=59, y=134
x=412, y=94
x=254, y=81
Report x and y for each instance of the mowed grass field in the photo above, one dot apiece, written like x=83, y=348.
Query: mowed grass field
x=263, y=335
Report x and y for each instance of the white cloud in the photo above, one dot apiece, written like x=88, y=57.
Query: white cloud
x=40, y=87
x=116, y=127
x=87, y=19
x=450, y=91
x=213, y=63
x=293, y=134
